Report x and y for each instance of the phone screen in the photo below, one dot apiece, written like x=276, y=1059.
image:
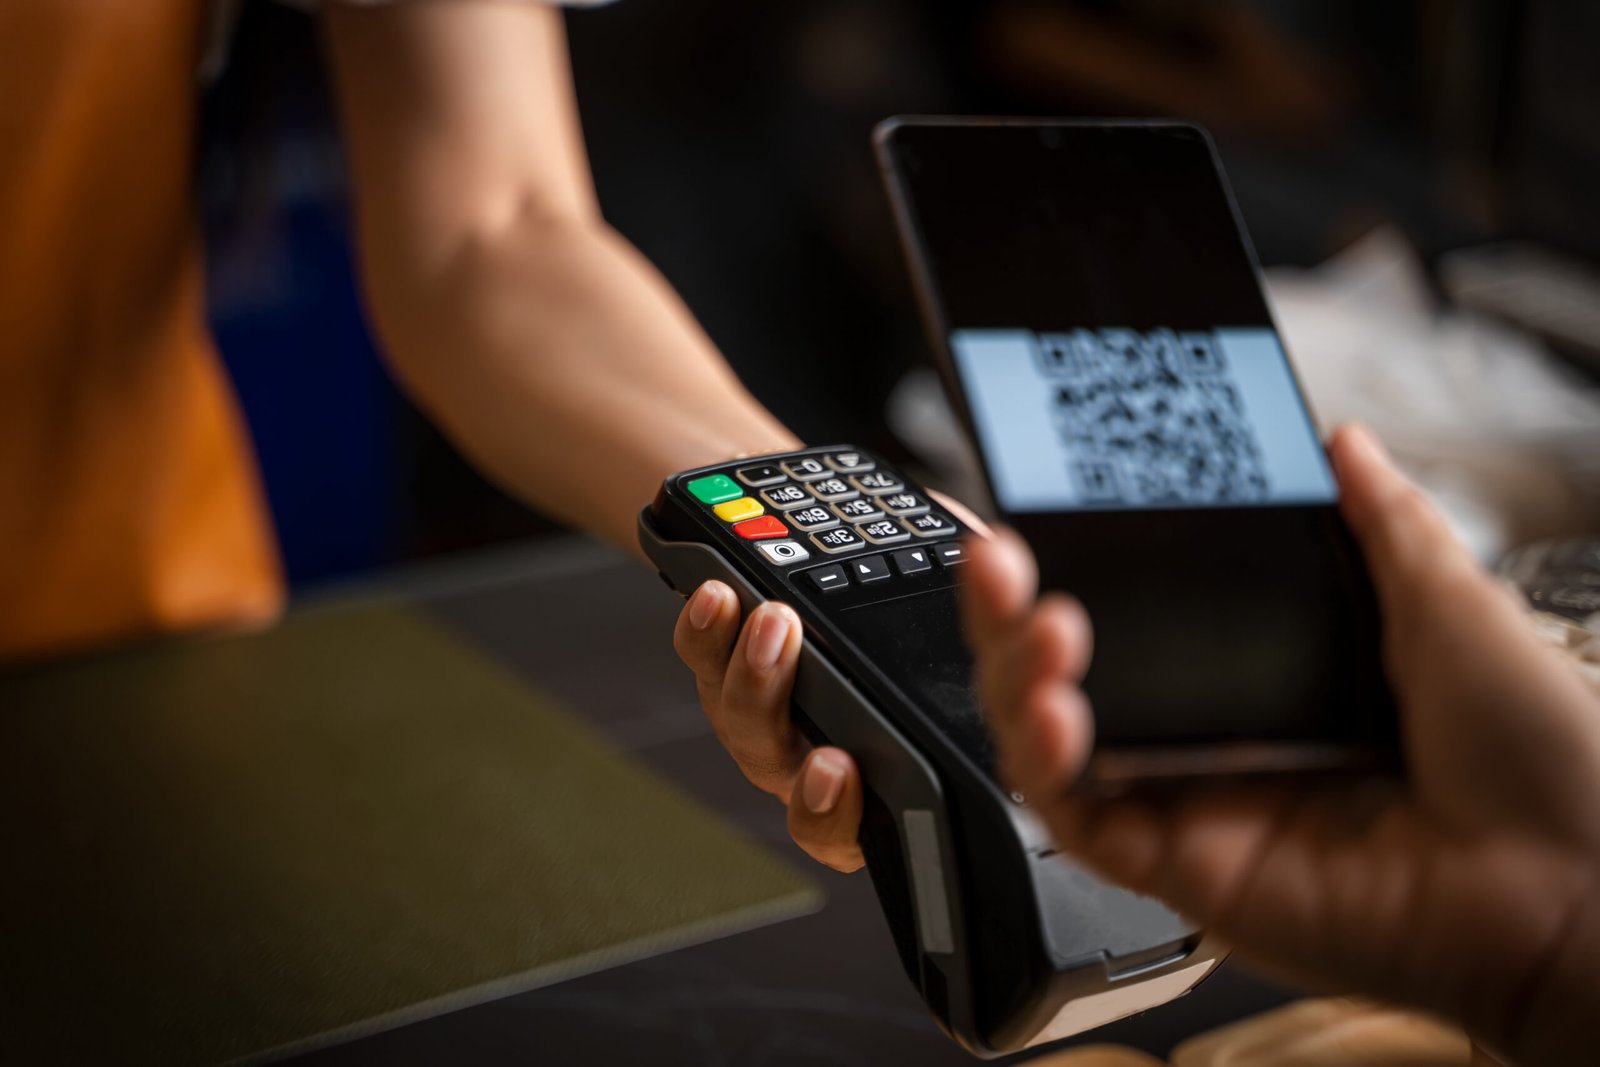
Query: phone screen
x=1115, y=417
x=1140, y=424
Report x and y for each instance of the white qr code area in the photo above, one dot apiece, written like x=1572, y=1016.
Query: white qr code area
x=1151, y=418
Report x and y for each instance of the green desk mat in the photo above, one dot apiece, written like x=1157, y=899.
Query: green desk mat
x=238, y=847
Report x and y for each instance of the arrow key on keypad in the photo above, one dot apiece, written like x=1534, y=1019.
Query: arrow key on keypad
x=912, y=560
x=848, y=462
x=870, y=568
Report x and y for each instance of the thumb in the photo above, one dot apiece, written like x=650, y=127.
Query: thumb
x=825, y=809
x=1406, y=542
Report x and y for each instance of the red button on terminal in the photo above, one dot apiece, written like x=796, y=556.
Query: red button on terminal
x=758, y=529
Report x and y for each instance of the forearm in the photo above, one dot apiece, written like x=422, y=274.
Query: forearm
x=548, y=349
x=561, y=362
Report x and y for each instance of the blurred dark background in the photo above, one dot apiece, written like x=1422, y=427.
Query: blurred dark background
x=730, y=142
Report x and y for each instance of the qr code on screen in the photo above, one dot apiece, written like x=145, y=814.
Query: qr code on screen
x=1151, y=418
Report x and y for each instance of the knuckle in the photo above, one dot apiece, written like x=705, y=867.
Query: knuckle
x=710, y=694
x=681, y=642
x=764, y=768
x=692, y=652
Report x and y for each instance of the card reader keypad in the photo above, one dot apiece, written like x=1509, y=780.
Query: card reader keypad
x=839, y=518
x=884, y=532
x=835, y=542
x=784, y=497
x=806, y=469
x=830, y=490
x=862, y=509
x=813, y=519
x=849, y=462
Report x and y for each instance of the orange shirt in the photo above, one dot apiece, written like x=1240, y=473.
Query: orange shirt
x=129, y=498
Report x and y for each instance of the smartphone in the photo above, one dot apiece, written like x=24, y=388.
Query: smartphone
x=1099, y=322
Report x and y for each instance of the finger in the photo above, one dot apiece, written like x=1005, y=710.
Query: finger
x=1458, y=653
x=752, y=717
x=704, y=635
x=1418, y=564
x=1405, y=541
x=1200, y=851
x=998, y=586
x=1044, y=745
x=1053, y=644
x=1121, y=840
x=825, y=811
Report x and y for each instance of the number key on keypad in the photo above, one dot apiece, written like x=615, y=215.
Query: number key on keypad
x=931, y=525
x=784, y=497
x=883, y=532
x=812, y=519
x=834, y=542
x=806, y=469
x=862, y=509
x=901, y=504
x=831, y=490
x=878, y=482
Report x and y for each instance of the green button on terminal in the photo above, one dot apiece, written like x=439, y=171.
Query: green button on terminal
x=714, y=489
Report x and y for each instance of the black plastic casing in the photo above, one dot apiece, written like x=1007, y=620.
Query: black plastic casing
x=1002, y=937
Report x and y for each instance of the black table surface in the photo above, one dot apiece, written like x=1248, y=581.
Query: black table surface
x=824, y=988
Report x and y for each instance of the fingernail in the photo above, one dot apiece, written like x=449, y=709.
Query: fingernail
x=767, y=640
x=704, y=605
x=824, y=782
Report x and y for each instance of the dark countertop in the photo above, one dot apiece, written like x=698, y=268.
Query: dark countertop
x=825, y=987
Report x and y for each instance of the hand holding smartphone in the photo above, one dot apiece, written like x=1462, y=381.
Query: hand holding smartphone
x=1100, y=324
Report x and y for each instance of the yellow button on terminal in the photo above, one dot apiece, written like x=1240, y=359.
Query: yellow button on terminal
x=739, y=510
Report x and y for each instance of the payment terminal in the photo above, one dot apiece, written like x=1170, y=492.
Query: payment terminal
x=1009, y=943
